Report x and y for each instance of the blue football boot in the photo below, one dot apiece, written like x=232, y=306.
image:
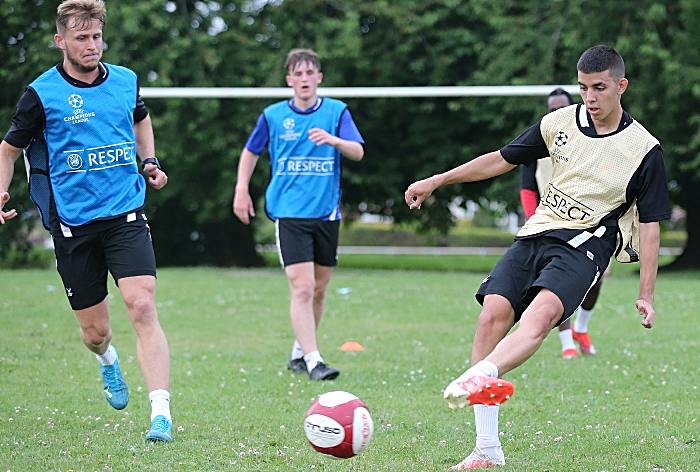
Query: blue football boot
x=161, y=430
x=116, y=391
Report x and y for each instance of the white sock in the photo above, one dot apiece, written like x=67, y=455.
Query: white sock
x=486, y=420
x=297, y=353
x=160, y=403
x=582, y=320
x=567, y=340
x=109, y=357
x=311, y=359
x=486, y=368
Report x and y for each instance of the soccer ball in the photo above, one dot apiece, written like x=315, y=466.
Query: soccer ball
x=338, y=424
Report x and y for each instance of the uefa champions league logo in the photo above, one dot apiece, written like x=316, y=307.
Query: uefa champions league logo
x=561, y=138
x=75, y=161
x=289, y=134
x=79, y=115
x=76, y=101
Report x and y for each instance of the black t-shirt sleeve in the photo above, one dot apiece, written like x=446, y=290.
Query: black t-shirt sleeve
x=140, y=112
x=526, y=148
x=528, y=181
x=28, y=121
x=650, y=188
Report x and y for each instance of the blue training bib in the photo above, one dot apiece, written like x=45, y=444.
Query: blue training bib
x=305, y=180
x=86, y=159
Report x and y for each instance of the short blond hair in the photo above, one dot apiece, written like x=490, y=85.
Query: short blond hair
x=78, y=14
x=300, y=56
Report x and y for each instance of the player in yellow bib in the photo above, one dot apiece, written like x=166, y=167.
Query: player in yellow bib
x=604, y=164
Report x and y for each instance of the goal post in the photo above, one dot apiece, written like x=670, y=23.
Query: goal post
x=357, y=92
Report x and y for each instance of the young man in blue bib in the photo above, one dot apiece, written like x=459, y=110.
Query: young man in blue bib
x=87, y=139
x=306, y=137
x=605, y=164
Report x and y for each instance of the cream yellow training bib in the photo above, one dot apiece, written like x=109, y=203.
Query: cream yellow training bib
x=590, y=176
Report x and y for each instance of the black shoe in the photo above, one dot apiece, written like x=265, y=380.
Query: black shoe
x=323, y=372
x=298, y=366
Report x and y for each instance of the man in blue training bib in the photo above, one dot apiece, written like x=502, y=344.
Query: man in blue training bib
x=305, y=137
x=87, y=136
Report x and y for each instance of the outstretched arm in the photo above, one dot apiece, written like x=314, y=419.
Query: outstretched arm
x=482, y=168
x=649, y=242
x=8, y=156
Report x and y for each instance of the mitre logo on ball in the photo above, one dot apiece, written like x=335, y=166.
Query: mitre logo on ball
x=338, y=424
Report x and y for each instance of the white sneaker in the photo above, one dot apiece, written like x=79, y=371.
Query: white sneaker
x=480, y=460
x=477, y=390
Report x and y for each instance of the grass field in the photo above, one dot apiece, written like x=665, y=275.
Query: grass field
x=633, y=407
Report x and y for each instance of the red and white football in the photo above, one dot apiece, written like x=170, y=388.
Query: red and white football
x=338, y=424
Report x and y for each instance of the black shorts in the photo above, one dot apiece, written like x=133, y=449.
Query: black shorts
x=307, y=240
x=124, y=250
x=542, y=262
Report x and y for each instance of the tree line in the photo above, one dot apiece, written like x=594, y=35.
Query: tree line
x=242, y=43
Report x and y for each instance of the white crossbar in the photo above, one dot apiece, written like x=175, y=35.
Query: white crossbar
x=355, y=92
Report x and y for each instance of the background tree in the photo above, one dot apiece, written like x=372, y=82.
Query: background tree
x=236, y=43
x=25, y=39
x=527, y=42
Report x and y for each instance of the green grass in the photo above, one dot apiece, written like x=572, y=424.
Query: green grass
x=421, y=262
x=463, y=234
x=632, y=407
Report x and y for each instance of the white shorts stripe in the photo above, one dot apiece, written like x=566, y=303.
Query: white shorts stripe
x=66, y=231
x=595, y=281
x=277, y=242
x=585, y=236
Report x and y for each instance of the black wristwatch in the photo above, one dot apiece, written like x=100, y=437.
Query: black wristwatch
x=150, y=160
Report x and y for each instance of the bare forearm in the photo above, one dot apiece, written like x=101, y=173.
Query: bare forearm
x=351, y=149
x=145, y=141
x=246, y=166
x=482, y=168
x=8, y=156
x=649, y=242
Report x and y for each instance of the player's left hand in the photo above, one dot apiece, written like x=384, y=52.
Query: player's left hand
x=320, y=136
x=646, y=310
x=156, y=177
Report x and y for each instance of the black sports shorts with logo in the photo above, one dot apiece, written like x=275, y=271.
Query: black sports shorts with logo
x=541, y=262
x=307, y=240
x=124, y=250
